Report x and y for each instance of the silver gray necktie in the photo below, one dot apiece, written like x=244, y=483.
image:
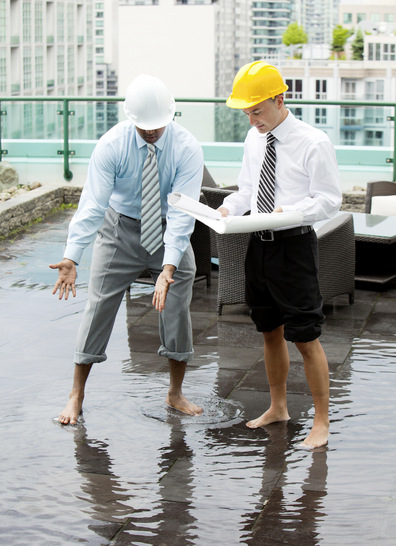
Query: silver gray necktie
x=266, y=189
x=151, y=224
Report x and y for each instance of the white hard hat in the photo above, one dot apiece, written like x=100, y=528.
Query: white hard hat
x=148, y=103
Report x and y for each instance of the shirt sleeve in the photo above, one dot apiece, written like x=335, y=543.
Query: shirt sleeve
x=179, y=226
x=93, y=203
x=325, y=195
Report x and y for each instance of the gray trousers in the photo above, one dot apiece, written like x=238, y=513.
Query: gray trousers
x=117, y=260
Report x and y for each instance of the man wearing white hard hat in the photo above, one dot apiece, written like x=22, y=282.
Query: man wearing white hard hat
x=111, y=209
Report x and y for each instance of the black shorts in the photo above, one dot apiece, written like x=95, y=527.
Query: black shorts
x=282, y=286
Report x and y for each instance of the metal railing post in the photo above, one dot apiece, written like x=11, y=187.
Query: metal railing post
x=67, y=174
x=394, y=144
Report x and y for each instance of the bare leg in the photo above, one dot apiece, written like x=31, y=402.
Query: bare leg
x=73, y=408
x=317, y=374
x=175, y=397
x=276, y=356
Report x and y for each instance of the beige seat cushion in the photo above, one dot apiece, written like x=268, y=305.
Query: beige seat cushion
x=383, y=205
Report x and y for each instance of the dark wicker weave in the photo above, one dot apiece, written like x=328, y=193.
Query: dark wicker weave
x=380, y=187
x=336, y=244
x=231, y=283
x=214, y=199
x=207, y=179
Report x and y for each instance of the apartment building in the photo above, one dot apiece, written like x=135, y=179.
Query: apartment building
x=46, y=49
x=317, y=17
x=269, y=22
x=344, y=81
x=105, y=55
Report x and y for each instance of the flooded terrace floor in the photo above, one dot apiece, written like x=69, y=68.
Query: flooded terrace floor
x=133, y=472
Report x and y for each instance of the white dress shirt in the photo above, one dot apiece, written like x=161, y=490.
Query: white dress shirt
x=115, y=179
x=307, y=178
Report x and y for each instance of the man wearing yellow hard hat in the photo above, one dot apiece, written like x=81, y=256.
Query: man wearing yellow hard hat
x=288, y=166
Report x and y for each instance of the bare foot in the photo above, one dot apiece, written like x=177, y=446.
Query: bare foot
x=270, y=416
x=317, y=437
x=180, y=402
x=69, y=415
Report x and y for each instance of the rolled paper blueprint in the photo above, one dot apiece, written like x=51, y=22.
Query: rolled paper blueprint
x=233, y=224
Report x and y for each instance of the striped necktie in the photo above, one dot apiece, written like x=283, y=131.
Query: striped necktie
x=266, y=189
x=151, y=226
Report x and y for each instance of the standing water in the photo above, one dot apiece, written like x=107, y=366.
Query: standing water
x=134, y=471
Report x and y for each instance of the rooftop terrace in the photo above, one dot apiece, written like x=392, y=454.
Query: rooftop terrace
x=135, y=472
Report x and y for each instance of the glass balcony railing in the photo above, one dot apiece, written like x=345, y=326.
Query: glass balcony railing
x=67, y=128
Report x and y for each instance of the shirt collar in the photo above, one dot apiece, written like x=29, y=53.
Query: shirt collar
x=282, y=130
x=159, y=144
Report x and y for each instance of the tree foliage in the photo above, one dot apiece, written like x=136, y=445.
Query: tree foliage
x=294, y=35
x=358, y=46
x=340, y=36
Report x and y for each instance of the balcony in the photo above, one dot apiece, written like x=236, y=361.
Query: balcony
x=220, y=131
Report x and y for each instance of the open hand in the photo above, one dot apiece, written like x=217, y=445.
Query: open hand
x=162, y=286
x=67, y=278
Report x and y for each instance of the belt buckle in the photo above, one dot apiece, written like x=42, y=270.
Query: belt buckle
x=267, y=235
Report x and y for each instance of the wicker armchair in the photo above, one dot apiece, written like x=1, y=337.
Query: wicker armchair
x=336, y=245
x=378, y=188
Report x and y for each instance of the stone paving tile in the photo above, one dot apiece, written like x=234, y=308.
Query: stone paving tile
x=128, y=476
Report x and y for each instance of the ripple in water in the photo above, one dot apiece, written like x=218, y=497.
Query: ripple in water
x=216, y=411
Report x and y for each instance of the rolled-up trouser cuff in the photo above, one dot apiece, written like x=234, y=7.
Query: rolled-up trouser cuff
x=84, y=358
x=180, y=357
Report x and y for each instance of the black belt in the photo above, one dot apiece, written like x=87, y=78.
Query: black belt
x=269, y=235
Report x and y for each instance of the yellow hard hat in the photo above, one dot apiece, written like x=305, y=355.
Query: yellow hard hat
x=254, y=83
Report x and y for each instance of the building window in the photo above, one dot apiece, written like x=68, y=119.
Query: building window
x=70, y=23
x=375, y=17
x=70, y=65
x=295, y=89
x=375, y=90
x=320, y=116
x=349, y=87
x=349, y=138
x=39, y=118
x=389, y=17
x=60, y=65
x=2, y=20
x=321, y=89
x=361, y=17
x=27, y=68
x=60, y=17
x=297, y=112
x=374, y=138
x=26, y=22
x=347, y=19
x=38, y=22
x=374, y=116
x=389, y=52
x=38, y=63
x=28, y=119
x=3, y=70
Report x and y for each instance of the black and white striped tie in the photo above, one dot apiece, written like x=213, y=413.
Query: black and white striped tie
x=266, y=189
x=151, y=226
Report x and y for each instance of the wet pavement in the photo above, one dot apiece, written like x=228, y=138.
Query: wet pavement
x=135, y=472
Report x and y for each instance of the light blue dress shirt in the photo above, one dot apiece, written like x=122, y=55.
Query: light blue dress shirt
x=114, y=179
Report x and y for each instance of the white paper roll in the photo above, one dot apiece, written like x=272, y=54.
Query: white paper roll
x=233, y=224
